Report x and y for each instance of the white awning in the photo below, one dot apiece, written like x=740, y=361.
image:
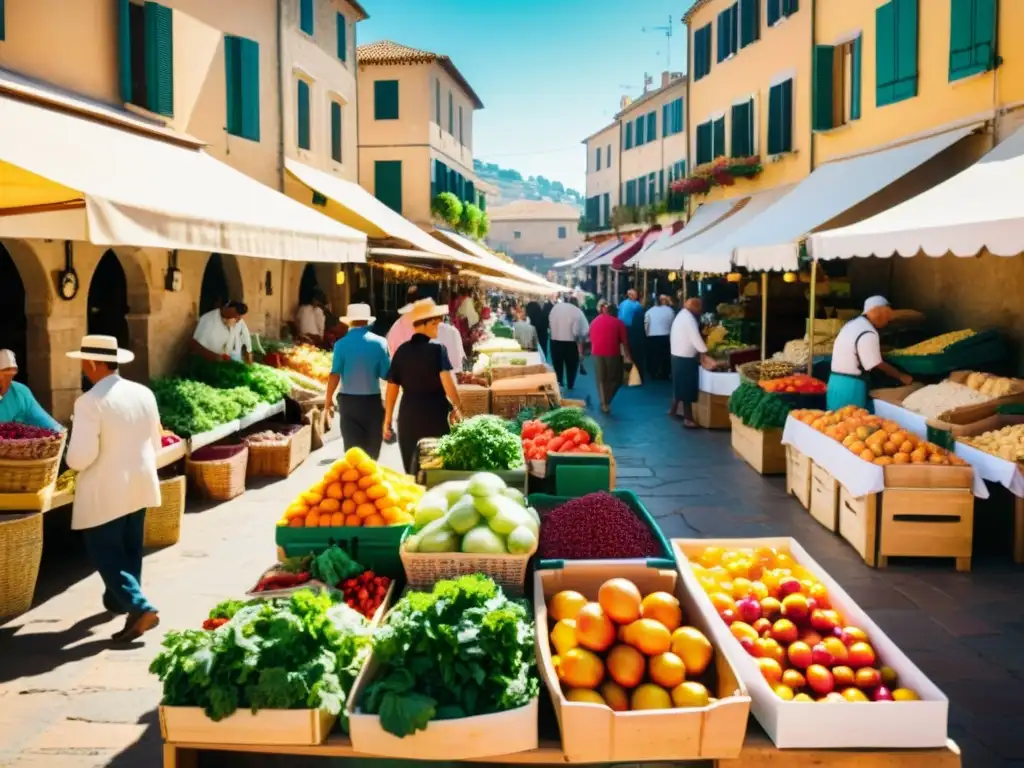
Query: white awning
x=588, y=248
x=707, y=215
x=590, y=260
x=980, y=208
x=710, y=250
x=606, y=258
x=132, y=189
x=772, y=240
x=515, y=286
x=490, y=261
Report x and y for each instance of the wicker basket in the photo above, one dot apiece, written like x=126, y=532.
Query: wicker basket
x=163, y=523
x=33, y=449
x=21, y=549
x=423, y=570
x=30, y=476
x=280, y=459
x=508, y=405
x=499, y=372
x=476, y=400
x=218, y=479
x=752, y=371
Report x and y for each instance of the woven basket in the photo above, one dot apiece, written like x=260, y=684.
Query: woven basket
x=423, y=570
x=476, y=400
x=218, y=479
x=508, y=405
x=30, y=476
x=163, y=523
x=280, y=459
x=31, y=450
x=21, y=549
x=752, y=371
x=499, y=372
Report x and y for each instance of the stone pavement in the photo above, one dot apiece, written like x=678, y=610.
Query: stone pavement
x=70, y=700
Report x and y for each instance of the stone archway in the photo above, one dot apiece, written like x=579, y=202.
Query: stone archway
x=222, y=281
x=29, y=320
x=13, y=318
x=121, y=275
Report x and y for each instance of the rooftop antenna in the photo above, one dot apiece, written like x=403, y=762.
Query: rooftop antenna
x=667, y=31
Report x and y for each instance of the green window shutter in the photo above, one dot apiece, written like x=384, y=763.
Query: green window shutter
x=342, y=39
x=124, y=49
x=302, y=97
x=3, y=24
x=159, y=59
x=441, y=172
x=855, y=77
x=629, y=136
x=906, y=48
x=451, y=114
x=702, y=52
x=336, y=131
x=722, y=32
x=641, y=130
x=233, y=83
x=607, y=208
x=972, y=37
x=789, y=7
x=249, y=88
x=773, y=12
x=780, y=118
x=652, y=125
x=742, y=130
x=885, y=54
x=470, y=192
x=822, y=110
x=666, y=112
x=434, y=191
x=306, y=16
x=641, y=191
x=652, y=187
x=661, y=183
x=704, y=143
x=750, y=21
x=718, y=138
x=787, y=116
x=387, y=183
x=385, y=99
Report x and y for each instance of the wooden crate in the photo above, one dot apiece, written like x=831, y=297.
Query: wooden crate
x=268, y=726
x=712, y=411
x=824, y=505
x=761, y=450
x=924, y=511
x=798, y=476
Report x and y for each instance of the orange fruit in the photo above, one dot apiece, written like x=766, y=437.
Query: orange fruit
x=365, y=510
x=334, y=491
x=563, y=636
x=667, y=670
x=663, y=607
x=579, y=668
x=337, y=520
x=330, y=505
x=353, y=519
x=349, y=490
x=312, y=519
x=650, y=696
x=690, y=645
x=366, y=467
x=690, y=694
x=324, y=521
x=585, y=696
x=722, y=601
x=297, y=522
x=594, y=630
x=348, y=507
x=867, y=454
x=620, y=600
x=374, y=521
x=377, y=491
x=360, y=497
x=614, y=695
x=626, y=666
x=649, y=636
x=350, y=476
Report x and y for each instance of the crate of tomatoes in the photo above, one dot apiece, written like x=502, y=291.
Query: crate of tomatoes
x=796, y=384
x=545, y=450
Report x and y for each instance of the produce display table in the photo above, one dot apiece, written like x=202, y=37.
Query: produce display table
x=910, y=421
x=718, y=382
x=758, y=752
x=262, y=412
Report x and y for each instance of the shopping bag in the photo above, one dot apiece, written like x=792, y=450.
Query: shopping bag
x=634, y=379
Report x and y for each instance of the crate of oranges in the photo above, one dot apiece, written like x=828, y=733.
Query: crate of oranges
x=624, y=652
x=360, y=505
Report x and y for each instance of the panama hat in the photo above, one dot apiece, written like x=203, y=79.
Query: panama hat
x=7, y=360
x=357, y=312
x=425, y=309
x=103, y=349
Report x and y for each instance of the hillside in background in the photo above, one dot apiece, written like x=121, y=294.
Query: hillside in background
x=512, y=186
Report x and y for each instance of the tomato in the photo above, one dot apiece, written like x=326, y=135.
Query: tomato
x=540, y=440
x=584, y=438
x=555, y=444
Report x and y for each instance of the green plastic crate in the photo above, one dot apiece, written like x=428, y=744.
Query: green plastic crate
x=374, y=547
x=578, y=475
x=513, y=478
x=546, y=501
x=941, y=437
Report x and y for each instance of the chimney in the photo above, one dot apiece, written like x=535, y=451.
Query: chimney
x=624, y=102
x=665, y=79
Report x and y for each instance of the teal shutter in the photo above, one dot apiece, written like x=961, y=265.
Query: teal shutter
x=718, y=138
x=855, y=77
x=666, y=113
x=336, y=131
x=704, y=143
x=789, y=7
x=641, y=197
x=906, y=48
x=302, y=97
x=885, y=54
x=773, y=12
x=385, y=99
x=742, y=130
x=641, y=130
x=607, y=209
x=306, y=16
x=342, y=39
x=470, y=192
x=750, y=22
x=433, y=179
x=972, y=37
x=702, y=52
x=233, y=83
x=159, y=59
x=661, y=184
x=3, y=23
x=722, y=31
x=249, y=69
x=824, y=66
x=629, y=135
x=441, y=173
x=780, y=118
x=387, y=183
x=787, y=116
x=652, y=125
x=124, y=49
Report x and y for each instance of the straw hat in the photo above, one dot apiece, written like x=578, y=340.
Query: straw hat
x=424, y=309
x=7, y=360
x=357, y=312
x=103, y=349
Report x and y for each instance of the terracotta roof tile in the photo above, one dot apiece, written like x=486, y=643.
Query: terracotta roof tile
x=389, y=52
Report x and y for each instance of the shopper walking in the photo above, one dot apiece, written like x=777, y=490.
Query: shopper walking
x=569, y=327
x=688, y=353
x=657, y=326
x=114, y=441
x=608, y=342
x=538, y=315
x=630, y=307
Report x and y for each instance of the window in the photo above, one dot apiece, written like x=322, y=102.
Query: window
x=387, y=183
x=242, y=85
x=837, y=73
x=517, y=235
x=342, y=38
x=727, y=32
x=451, y=114
x=470, y=191
x=661, y=184
x=895, y=51
x=629, y=136
x=437, y=102
x=641, y=130
x=592, y=214
x=780, y=118
x=641, y=191
x=718, y=138
x=781, y=9
x=971, y=38
x=597, y=160
x=462, y=142
x=439, y=178
x=742, y=129
x=608, y=156
x=385, y=99
x=146, y=51
x=306, y=16
x=631, y=193
x=607, y=209
x=705, y=152
x=652, y=125
x=335, y=131
x=672, y=117
x=561, y=230
x=2, y=29
x=702, y=52
x=652, y=187
x=302, y=114
x=750, y=22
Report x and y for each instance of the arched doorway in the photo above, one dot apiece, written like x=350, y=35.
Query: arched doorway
x=13, y=318
x=108, y=300
x=308, y=284
x=222, y=282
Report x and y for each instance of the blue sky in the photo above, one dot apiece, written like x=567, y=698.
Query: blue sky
x=549, y=72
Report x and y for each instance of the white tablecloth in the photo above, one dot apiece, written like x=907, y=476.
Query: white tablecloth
x=993, y=468
x=910, y=421
x=859, y=477
x=715, y=383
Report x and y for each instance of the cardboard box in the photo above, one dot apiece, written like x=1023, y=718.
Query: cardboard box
x=824, y=505
x=798, y=475
x=761, y=450
x=712, y=411
x=190, y=725
x=801, y=725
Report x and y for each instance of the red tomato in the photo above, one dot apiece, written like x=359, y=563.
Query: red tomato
x=584, y=437
x=555, y=444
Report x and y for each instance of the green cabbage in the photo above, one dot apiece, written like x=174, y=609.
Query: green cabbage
x=483, y=541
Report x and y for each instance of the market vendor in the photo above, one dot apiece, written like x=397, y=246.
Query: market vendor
x=689, y=353
x=17, y=403
x=311, y=320
x=221, y=334
x=857, y=351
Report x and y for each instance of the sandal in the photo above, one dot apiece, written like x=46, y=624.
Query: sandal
x=689, y=424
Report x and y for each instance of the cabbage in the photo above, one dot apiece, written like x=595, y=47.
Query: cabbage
x=483, y=541
x=485, y=484
x=412, y=543
x=429, y=508
x=516, y=495
x=463, y=515
x=486, y=505
x=453, y=490
x=534, y=514
x=438, y=537
x=510, y=516
x=522, y=541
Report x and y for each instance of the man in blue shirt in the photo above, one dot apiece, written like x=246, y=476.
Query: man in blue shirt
x=360, y=361
x=629, y=307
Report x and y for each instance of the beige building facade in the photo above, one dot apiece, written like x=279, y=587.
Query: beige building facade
x=221, y=75
x=535, y=233
x=415, y=129
x=604, y=169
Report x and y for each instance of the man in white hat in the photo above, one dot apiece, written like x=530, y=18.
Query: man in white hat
x=115, y=437
x=17, y=403
x=359, y=363
x=858, y=351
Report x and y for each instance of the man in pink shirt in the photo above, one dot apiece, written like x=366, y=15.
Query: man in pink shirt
x=608, y=340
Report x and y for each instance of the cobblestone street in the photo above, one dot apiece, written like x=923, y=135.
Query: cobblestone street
x=68, y=699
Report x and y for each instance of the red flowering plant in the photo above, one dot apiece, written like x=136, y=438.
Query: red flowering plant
x=692, y=185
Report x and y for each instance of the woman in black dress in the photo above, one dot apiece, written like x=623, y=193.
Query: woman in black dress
x=422, y=370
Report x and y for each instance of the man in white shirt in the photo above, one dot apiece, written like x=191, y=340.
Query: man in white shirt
x=221, y=334
x=467, y=310
x=858, y=351
x=658, y=325
x=310, y=320
x=569, y=328
x=688, y=353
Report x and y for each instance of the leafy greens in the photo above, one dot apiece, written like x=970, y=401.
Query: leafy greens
x=480, y=443
x=269, y=384
x=189, y=408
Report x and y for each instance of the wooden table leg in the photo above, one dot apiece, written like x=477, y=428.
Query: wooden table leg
x=1018, y=530
x=176, y=757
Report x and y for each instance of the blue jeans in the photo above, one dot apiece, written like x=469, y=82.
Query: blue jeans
x=116, y=550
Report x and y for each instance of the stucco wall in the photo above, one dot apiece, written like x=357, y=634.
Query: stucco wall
x=415, y=106
x=651, y=157
x=536, y=238
x=606, y=180
x=415, y=177
x=444, y=139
